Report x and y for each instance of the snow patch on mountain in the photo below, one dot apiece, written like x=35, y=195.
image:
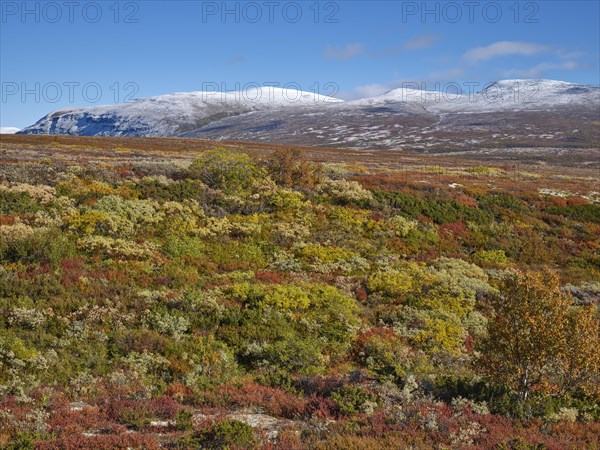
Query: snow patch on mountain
x=9, y=130
x=519, y=94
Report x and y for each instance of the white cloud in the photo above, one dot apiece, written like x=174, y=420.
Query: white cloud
x=503, y=48
x=385, y=53
x=431, y=82
x=375, y=89
x=9, y=130
x=446, y=75
x=347, y=52
x=365, y=90
x=420, y=42
x=569, y=54
x=538, y=70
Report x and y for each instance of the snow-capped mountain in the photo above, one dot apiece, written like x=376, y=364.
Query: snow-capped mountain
x=171, y=114
x=9, y=130
x=500, y=95
x=507, y=112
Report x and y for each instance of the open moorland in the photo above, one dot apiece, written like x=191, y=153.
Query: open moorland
x=187, y=293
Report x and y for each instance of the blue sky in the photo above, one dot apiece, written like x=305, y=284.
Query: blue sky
x=58, y=55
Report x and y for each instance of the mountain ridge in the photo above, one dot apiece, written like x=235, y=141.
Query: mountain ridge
x=398, y=118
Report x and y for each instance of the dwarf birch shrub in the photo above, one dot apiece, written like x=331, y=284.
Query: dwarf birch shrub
x=225, y=170
x=390, y=283
x=80, y=189
x=490, y=257
x=17, y=203
x=294, y=327
x=99, y=222
x=354, y=399
x=290, y=168
x=432, y=330
x=321, y=259
x=26, y=244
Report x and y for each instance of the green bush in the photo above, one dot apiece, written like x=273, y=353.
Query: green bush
x=353, y=400
x=17, y=202
x=346, y=192
x=184, y=420
x=581, y=213
x=226, y=434
x=490, y=257
x=225, y=170
x=499, y=202
x=300, y=327
x=439, y=210
x=35, y=245
x=176, y=191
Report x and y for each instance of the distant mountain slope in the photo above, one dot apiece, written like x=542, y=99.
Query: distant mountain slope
x=9, y=130
x=505, y=113
x=171, y=114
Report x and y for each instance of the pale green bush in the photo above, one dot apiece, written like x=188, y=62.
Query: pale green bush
x=28, y=317
x=285, y=261
x=494, y=257
x=225, y=170
x=117, y=248
x=146, y=363
x=343, y=191
x=461, y=275
x=284, y=233
x=18, y=232
x=564, y=414
x=138, y=211
x=42, y=193
x=172, y=324
x=212, y=362
x=402, y=226
x=461, y=405
x=326, y=259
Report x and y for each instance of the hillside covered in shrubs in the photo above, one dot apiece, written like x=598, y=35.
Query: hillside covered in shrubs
x=239, y=301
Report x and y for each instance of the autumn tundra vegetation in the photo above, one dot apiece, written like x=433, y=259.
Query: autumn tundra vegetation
x=235, y=300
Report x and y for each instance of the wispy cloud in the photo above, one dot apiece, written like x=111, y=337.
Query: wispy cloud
x=237, y=60
x=446, y=75
x=420, y=42
x=503, y=48
x=385, y=53
x=569, y=54
x=540, y=69
x=342, y=53
x=365, y=90
x=374, y=89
